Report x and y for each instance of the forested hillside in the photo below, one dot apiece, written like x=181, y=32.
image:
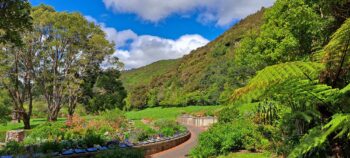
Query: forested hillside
x=206, y=76
x=297, y=103
x=144, y=75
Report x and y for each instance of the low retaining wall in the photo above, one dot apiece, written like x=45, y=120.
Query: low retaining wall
x=164, y=145
x=149, y=149
x=197, y=121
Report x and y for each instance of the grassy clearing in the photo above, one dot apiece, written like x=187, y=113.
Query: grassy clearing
x=150, y=113
x=16, y=126
x=170, y=113
x=34, y=122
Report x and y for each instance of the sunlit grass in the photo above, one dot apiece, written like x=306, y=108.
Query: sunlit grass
x=170, y=113
x=16, y=126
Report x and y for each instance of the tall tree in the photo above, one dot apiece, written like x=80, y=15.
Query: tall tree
x=14, y=18
x=17, y=77
x=70, y=44
x=292, y=31
x=5, y=111
x=337, y=58
x=109, y=92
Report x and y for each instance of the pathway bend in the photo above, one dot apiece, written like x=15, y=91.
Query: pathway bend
x=181, y=151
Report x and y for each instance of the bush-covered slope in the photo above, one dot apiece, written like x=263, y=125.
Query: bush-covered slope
x=144, y=75
x=206, y=76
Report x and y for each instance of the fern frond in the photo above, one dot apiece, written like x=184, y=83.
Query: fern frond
x=339, y=125
x=303, y=90
x=337, y=57
x=314, y=139
x=345, y=89
x=276, y=74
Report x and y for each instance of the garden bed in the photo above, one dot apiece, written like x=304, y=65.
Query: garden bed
x=147, y=147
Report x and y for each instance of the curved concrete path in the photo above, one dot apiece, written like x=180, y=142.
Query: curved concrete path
x=182, y=150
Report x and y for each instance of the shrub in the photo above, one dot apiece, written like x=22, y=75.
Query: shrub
x=227, y=137
x=115, y=118
x=48, y=131
x=168, y=127
x=13, y=148
x=91, y=139
x=228, y=115
x=51, y=146
x=144, y=134
x=2, y=136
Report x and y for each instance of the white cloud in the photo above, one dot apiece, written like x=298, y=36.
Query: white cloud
x=146, y=49
x=222, y=12
x=118, y=37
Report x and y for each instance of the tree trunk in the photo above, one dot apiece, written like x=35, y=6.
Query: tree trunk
x=69, y=119
x=26, y=121
x=53, y=114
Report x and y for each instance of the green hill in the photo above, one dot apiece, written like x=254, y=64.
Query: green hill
x=144, y=75
x=207, y=76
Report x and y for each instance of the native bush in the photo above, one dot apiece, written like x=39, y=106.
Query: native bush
x=12, y=148
x=51, y=146
x=228, y=115
x=168, y=127
x=48, y=131
x=92, y=138
x=228, y=137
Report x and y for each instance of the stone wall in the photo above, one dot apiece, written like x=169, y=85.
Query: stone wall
x=197, y=121
x=148, y=148
x=164, y=145
x=15, y=135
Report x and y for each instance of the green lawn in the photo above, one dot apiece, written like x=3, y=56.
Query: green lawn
x=15, y=126
x=169, y=113
x=34, y=122
x=151, y=113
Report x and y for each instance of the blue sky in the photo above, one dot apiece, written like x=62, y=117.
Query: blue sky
x=149, y=30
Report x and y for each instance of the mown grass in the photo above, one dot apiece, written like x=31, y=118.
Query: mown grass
x=34, y=122
x=170, y=113
x=150, y=113
x=16, y=126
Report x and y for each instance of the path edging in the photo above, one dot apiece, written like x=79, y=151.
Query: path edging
x=164, y=145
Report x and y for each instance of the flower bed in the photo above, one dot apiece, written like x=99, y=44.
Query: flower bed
x=80, y=136
x=147, y=147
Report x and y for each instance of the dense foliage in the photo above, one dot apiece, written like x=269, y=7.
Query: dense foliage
x=299, y=97
x=283, y=71
x=59, y=62
x=14, y=19
x=227, y=137
x=4, y=108
x=108, y=92
x=206, y=76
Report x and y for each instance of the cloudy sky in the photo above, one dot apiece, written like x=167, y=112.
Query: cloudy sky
x=146, y=31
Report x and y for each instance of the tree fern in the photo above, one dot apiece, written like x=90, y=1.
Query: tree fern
x=345, y=89
x=337, y=58
x=339, y=126
x=275, y=74
x=302, y=90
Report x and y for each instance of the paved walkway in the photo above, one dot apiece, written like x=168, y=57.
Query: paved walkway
x=182, y=150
